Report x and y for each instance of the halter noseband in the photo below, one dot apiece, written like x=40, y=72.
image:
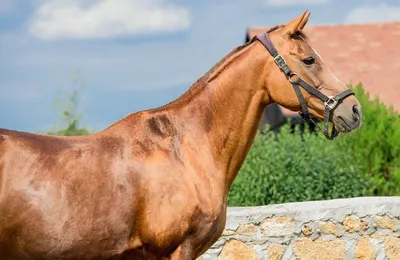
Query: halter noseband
x=330, y=102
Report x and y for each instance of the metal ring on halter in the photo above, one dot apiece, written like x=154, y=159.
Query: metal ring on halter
x=295, y=76
x=331, y=103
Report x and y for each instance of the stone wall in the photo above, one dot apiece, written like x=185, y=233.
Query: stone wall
x=359, y=228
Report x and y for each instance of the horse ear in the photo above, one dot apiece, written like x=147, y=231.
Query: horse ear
x=298, y=23
x=305, y=20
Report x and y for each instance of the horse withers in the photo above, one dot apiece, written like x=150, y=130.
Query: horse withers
x=154, y=185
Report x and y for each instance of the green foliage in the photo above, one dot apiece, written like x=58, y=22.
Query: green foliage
x=289, y=167
x=376, y=145
x=70, y=117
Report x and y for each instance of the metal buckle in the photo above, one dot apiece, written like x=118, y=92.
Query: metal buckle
x=280, y=61
x=331, y=103
x=293, y=78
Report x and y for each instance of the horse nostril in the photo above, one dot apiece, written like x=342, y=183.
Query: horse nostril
x=356, y=113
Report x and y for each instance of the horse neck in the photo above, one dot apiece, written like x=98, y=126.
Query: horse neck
x=232, y=101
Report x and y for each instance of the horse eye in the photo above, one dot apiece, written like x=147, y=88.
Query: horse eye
x=309, y=61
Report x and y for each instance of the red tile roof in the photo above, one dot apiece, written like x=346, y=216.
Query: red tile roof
x=367, y=53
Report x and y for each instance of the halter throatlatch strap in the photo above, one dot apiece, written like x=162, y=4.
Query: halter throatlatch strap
x=330, y=102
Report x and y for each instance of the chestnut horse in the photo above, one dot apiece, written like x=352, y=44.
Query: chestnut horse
x=154, y=185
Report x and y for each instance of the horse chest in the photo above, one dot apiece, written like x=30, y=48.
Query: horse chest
x=191, y=212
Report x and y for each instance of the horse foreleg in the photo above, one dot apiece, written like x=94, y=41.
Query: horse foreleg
x=183, y=252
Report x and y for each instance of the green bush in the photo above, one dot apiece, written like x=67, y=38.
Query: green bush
x=376, y=145
x=70, y=117
x=288, y=167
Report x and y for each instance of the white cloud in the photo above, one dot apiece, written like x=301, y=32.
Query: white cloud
x=107, y=18
x=281, y=3
x=378, y=13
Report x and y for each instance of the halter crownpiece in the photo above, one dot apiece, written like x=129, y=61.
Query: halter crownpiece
x=330, y=102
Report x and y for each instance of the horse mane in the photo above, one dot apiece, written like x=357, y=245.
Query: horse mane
x=299, y=32
x=201, y=83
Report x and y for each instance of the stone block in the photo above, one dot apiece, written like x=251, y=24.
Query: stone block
x=329, y=228
x=385, y=222
x=237, y=250
x=364, y=250
x=307, y=249
x=278, y=226
x=392, y=247
x=275, y=251
x=351, y=223
x=247, y=229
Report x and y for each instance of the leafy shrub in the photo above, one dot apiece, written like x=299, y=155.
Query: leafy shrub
x=376, y=145
x=70, y=117
x=289, y=167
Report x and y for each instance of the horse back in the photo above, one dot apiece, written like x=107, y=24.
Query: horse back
x=69, y=189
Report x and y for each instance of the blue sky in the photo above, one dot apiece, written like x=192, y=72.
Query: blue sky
x=133, y=54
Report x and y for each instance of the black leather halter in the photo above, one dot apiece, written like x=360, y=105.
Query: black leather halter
x=330, y=102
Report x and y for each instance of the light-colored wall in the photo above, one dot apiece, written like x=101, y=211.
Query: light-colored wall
x=359, y=228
